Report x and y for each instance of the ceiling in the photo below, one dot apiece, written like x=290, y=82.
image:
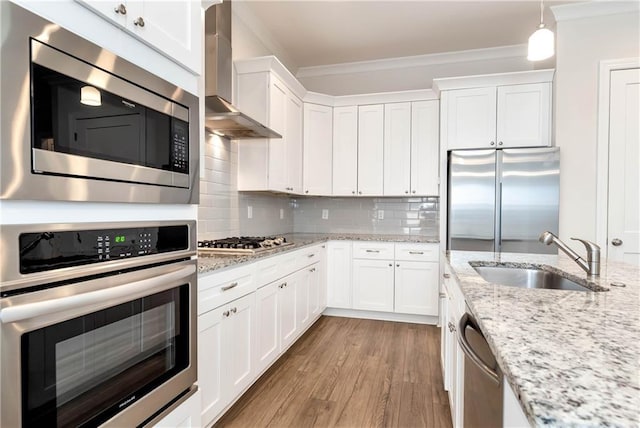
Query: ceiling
x=314, y=33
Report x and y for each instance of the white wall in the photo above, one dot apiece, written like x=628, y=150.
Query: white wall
x=581, y=45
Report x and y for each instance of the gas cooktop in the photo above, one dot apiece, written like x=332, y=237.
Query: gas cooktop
x=242, y=244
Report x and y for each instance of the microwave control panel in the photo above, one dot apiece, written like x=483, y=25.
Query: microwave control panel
x=42, y=251
x=180, y=146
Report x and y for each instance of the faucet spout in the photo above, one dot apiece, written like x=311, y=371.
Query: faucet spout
x=591, y=265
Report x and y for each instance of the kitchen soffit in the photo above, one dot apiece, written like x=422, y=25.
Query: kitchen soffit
x=315, y=33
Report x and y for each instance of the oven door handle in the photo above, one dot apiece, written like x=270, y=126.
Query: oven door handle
x=38, y=309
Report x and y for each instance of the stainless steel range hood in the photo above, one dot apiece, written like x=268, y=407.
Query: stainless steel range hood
x=221, y=117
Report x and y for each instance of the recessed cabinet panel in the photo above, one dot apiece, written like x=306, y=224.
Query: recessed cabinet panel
x=425, y=143
x=317, y=152
x=278, y=147
x=238, y=340
x=370, y=150
x=287, y=308
x=267, y=347
x=293, y=145
x=416, y=290
x=373, y=285
x=524, y=115
x=397, y=149
x=210, y=363
x=471, y=118
x=339, y=274
x=345, y=151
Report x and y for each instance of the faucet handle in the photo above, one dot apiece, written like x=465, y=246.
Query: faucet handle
x=593, y=250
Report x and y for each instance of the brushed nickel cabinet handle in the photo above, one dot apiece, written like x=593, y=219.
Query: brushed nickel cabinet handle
x=446, y=275
x=493, y=143
x=373, y=251
x=499, y=143
x=413, y=191
x=312, y=270
x=225, y=314
x=234, y=310
x=390, y=264
x=616, y=242
x=310, y=255
x=139, y=22
x=121, y=9
x=230, y=286
x=416, y=252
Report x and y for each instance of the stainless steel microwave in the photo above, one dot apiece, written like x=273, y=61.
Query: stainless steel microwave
x=79, y=123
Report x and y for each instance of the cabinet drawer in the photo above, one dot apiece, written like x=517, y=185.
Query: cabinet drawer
x=273, y=268
x=221, y=288
x=417, y=252
x=373, y=250
x=307, y=256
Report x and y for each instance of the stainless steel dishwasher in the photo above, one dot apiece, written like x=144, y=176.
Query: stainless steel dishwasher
x=483, y=394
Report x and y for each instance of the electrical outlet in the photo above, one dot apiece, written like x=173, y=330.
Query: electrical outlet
x=281, y=213
x=325, y=214
x=380, y=214
x=249, y=211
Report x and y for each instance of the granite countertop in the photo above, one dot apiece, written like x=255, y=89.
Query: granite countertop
x=209, y=262
x=571, y=357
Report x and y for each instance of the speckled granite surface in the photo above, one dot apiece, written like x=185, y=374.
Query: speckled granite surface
x=210, y=262
x=572, y=357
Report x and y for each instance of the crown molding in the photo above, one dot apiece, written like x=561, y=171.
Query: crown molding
x=514, y=78
x=512, y=51
x=569, y=12
x=271, y=63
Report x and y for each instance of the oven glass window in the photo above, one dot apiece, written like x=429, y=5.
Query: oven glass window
x=72, y=117
x=85, y=370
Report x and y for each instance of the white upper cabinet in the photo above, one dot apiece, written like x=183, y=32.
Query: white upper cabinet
x=174, y=28
x=317, y=151
x=425, y=137
x=370, y=149
x=524, y=115
x=397, y=149
x=270, y=164
x=345, y=151
x=496, y=111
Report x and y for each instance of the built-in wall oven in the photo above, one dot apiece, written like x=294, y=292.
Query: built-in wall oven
x=80, y=123
x=98, y=323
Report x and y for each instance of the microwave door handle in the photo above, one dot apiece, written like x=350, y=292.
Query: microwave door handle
x=465, y=321
x=116, y=294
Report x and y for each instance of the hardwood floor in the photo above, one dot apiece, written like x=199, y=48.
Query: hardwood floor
x=348, y=372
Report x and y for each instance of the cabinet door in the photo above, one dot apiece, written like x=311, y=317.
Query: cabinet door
x=397, y=149
x=211, y=348
x=108, y=10
x=186, y=415
x=278, y=146
x=524, y=115
x=267, y=347
x=317, y=153
x=373, y=285
x=425, y=127
x=293, y=165
x=339, y=274
x=470, y=120
x=345, y=151
x=314, y=290
x=174, y=27
x=322, y=279
x=287, y=311
x=302, y=299
x=370, y=149
x=416, y=288
x=238, y=336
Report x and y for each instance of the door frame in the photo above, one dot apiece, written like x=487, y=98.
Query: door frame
x=602, y=145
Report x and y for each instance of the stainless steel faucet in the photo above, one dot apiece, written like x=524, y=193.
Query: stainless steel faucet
x=591, y=266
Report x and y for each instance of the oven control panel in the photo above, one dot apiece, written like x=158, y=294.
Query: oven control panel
x=42, y=251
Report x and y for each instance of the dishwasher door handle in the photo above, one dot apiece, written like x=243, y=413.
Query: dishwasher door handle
x=467, y=321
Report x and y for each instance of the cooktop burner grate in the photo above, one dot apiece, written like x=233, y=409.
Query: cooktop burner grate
x=242, y=244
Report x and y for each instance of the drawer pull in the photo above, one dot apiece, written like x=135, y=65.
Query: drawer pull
x=225, y=314
x=373, y=251
x=234, y=310
x=310, y=255
x=416, y=252
x=446, y=275
x=230, y=286
x=442, y=295
x=312, y=270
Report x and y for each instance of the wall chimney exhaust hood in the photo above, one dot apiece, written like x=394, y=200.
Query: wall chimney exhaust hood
x=221, y=117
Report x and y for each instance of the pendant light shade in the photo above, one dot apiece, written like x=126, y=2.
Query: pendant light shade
x=541, y=43
x=90, y=96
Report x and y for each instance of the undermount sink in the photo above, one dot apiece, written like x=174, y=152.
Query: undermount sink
x=527, y=278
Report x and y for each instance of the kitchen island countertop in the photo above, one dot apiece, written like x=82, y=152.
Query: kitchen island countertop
x=208, y=262
x=571, y=357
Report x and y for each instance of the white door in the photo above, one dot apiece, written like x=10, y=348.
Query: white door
x=397, y=149
x=470, y=121
x=339, y=274
x=370, y=149
x=238, y=337
x=314, y=290
x=345, y=151
x=266, y=348
x=425, y=133
x=373, y=285
x=624, y=156
x=293, y=165
x=416, y=288
x=317, y=153
x=278, y=146
x=524, y=115
x=287, y=311
x=210, y=363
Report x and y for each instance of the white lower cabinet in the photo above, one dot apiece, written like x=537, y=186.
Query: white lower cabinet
x=315, y=295
x=287, y=311
x=186, y=415
x=267, y=343
x=373, y=285
x=225, y=362
x=416, y=288
x=339, y=274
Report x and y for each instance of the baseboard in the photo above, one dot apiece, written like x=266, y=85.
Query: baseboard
x=382, y=316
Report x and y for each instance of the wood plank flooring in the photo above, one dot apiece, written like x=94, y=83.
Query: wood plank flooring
x=348, y=372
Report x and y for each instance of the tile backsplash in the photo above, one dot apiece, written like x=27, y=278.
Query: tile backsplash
x=223, y=211
x=395, y=216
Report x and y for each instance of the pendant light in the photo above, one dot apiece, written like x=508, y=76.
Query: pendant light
x=541, y=43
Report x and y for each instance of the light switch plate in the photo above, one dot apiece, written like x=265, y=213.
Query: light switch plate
x=380, y=214
x=325, y=214
x=281, y=213
x=249, y=211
